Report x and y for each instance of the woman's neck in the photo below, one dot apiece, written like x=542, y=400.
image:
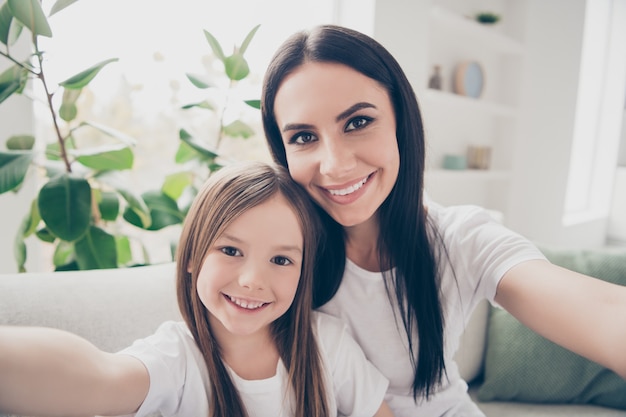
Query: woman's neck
x=362, y=245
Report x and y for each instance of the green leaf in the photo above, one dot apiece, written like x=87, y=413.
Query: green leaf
x=19, y=247
x=96, y=250
x=13, y=168
x=185, y=153
x=122, y=137
x=215, y=46
x=44, y=235
x=68, y=109
x=72, y=266
x=30, y=14
x=83, y=78
x=201, y=105
x=60, y=5
x=10, y=28
x=117, y=157
x=12, y=80
x=175, y=184
x=246, y=42
x=236, y=67
x=124, y=252
x=135, y=202
x=198, y=146
x=109, y=205
x=63, y=253
x=68, y=112
x=238, y=129
x=254, y=103
x=65, y=206
x=163, y=211
x=32, y=219
x=20, y=142
x=199, y=81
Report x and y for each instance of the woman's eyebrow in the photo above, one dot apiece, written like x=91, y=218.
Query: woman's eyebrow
x=296, y=126
x=356, y=107
x=343, y=115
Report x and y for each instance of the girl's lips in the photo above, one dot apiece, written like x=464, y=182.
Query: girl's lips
x=246, y=303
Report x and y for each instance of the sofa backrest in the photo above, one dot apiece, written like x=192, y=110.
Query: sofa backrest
x=111, y=308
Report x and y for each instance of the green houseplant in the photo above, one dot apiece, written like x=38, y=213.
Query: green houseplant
x=84, y=204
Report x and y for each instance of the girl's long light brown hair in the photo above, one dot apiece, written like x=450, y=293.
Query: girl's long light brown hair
x=226, y=195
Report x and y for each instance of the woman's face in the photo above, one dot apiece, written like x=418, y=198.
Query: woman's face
x=339, y=131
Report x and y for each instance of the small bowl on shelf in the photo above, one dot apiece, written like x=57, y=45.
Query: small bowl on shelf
x=487, y=18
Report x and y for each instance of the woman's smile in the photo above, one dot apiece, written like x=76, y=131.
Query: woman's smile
x=340, y=141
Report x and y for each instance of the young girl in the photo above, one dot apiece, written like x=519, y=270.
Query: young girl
x=250, y=344
x=402, y=271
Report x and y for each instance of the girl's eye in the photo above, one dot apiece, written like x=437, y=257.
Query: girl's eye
x=230, y=251
x=302, y=138
x=281, y=260
x=358, y=123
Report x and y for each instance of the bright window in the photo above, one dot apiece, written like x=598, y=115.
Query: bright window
x=599, y=112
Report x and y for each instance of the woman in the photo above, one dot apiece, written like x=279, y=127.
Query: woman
x=403, y=272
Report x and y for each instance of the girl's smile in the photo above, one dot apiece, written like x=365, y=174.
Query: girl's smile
x=251, y=273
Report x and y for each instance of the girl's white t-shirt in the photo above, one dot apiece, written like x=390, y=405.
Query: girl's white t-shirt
x=179, y=379
x=480, y=251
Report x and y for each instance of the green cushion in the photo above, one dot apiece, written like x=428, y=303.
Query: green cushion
x=522, y=366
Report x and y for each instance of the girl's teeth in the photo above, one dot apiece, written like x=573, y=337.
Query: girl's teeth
x=350, y=189
x=250, y=305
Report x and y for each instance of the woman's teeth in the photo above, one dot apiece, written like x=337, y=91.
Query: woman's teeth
x=250, y=305
x=350, y=189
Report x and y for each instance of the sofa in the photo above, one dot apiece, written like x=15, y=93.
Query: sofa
x=111, y=308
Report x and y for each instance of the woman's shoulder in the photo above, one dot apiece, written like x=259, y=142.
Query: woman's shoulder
x=460, y=216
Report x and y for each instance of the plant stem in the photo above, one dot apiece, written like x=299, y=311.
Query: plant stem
x=18, y=63
x=220, y=133
x=49, y=95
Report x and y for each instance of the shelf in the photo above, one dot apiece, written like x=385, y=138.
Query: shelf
x=468, y=174
x=467, y=103
x=465, y=27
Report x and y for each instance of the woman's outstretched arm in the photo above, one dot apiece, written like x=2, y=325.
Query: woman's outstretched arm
x=583, y=314
x=52, y=372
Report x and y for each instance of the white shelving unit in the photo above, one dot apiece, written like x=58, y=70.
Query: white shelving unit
x=455, y=122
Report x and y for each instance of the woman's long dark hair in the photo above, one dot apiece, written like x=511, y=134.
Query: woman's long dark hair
x=404, y=228
x=226, y=195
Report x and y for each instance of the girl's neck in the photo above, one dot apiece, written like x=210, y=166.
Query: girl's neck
x=251, y=357
x=362, y=245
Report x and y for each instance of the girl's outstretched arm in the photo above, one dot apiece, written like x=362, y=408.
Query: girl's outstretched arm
x=583, y=314
x=51, y=372
x=384, y=411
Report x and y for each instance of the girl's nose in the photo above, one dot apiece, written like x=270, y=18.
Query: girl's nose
x=251, y=277
x=336, y=159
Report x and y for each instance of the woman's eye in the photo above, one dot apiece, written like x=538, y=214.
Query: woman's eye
x=358, y=123
x=230, y=251
x=281, y=260
x=302, y=138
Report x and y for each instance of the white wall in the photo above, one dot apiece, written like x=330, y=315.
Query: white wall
x=543, y=157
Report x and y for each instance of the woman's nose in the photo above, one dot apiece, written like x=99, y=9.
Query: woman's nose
x=337, y=158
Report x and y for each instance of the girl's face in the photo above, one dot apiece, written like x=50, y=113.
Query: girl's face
x=250, y=274
x=339, y=131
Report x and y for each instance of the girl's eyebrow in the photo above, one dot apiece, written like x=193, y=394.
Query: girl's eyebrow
x=342, y=116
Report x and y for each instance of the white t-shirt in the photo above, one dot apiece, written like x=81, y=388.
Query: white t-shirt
x=480, y=251
x=179, y=379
